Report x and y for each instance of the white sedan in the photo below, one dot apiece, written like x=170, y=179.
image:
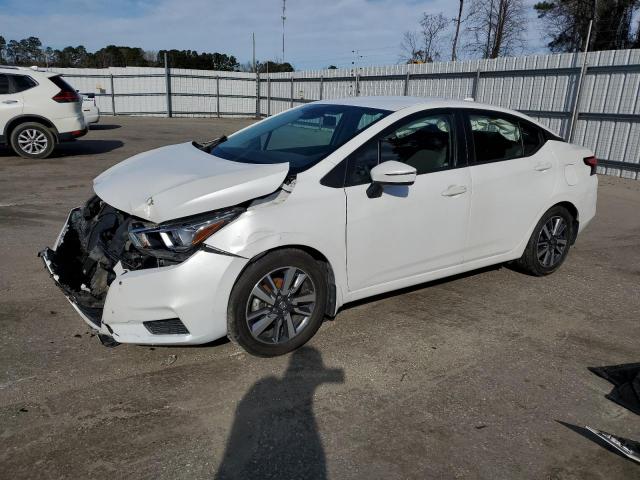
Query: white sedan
x=262, y=235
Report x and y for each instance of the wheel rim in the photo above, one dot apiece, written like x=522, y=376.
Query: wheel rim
x=33, y=141
x=280, y=305
x=552, y=242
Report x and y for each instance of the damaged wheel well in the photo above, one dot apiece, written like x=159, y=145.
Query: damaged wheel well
x=330, y=309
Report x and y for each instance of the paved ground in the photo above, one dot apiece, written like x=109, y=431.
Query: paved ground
x=466, y=378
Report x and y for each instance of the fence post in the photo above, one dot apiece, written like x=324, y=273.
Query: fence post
x=321, y=86
x=476, y=86
x=258, y=109
x=167, y=77
x=406, y=83
x=291, y=104
x=357, y=84
x=268, y=95
x=113, y=97
x=218, y=96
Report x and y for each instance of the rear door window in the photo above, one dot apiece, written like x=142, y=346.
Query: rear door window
x=4, y=84
x=22, y=83
x=495, y=137
x=532, y=138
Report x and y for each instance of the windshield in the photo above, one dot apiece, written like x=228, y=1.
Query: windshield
x=302, y=137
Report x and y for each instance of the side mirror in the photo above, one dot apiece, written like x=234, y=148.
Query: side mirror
x=390, y=173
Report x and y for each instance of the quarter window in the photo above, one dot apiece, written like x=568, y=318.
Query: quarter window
x=425, y=142
x=495, y=138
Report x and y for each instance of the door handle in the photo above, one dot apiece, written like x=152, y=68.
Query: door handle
x=454, y=190
x=10, y=101
x=541, y=167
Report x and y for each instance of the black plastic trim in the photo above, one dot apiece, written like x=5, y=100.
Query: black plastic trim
x=170, y=326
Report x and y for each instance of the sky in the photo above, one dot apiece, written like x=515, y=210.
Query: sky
x=318, y=33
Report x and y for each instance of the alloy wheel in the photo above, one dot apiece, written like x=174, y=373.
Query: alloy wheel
x=33, y=141
x=280, y=305
x=552, y=241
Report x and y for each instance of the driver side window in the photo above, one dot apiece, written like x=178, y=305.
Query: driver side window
x=424, y=141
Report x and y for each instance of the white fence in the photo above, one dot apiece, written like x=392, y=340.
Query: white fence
x=544, y=87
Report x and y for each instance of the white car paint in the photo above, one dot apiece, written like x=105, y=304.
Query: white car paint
x=36, y=104
x=446, y=222
x=155, y=186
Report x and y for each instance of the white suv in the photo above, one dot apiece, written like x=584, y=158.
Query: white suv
x=37, y=110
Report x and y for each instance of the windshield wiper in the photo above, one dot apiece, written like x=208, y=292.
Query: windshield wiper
x=211, y=144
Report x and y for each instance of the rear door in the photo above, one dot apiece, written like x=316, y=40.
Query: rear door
x=11, y=102
x=512, y=178
x=415, y=229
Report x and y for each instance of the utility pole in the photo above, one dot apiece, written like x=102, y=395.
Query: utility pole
x=583, y=71
x=253, y=36
x=284, y=17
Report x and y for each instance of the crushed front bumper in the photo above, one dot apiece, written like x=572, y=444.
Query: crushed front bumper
x=179, y=304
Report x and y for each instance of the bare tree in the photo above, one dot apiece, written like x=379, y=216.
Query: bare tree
x=496, y=27
x=458, y=21
x=424, y=46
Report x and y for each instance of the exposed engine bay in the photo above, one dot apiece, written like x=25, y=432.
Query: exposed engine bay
x=95, y=239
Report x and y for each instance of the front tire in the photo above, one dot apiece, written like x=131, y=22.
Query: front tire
x=278, y=303
x=549, y=244
x=32, y=140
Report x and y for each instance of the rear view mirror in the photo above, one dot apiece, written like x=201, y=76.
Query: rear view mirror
x=390, y=173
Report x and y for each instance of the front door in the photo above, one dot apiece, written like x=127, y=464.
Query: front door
x=408, y=230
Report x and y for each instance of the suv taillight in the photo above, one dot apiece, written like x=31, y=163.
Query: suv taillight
x=593, y=163
x=66, y=97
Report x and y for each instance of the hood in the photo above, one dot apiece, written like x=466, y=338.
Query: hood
x=181, y=180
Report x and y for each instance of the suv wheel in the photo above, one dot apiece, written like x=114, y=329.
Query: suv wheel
x=549, y=243
x=32, y=140
x=278, y=303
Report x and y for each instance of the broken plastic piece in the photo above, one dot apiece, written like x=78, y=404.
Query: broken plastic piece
x=108, y=341
x=626, y=379
x=629, y=448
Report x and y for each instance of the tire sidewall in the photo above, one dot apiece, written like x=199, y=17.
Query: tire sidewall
x=35, y=126
x=535, y=263
x=238, y=330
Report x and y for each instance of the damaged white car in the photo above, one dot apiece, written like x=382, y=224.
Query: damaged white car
x=262, y=235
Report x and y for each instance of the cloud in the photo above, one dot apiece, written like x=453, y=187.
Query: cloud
x=318, y=32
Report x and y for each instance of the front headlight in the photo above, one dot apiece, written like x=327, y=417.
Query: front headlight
x=180, y=236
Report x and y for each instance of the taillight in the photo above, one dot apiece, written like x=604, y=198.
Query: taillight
x=66, y=97
x=593, y=163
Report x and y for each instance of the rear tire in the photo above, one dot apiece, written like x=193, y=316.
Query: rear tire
x=278, y=303
x=32, y=140
x=549, y=244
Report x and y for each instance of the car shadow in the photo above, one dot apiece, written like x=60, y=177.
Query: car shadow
x=274, y=432
x=85, y=147
x=104, y=126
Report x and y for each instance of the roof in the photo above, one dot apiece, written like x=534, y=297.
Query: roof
x=396, y=103
x=26, y=70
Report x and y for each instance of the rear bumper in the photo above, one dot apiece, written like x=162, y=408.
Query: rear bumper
x=69, y=127
x=68, y=136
